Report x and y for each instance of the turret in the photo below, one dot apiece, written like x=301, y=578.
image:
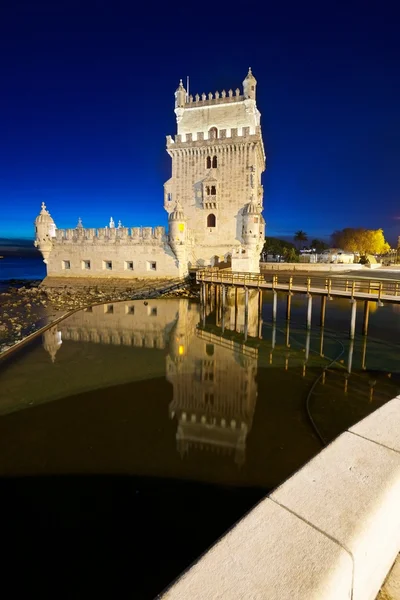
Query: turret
x=45, y=231
x=253, y=224
x=177, y=236
x=52, y=341
x=180, y=96
x=180, y=99
x=249, y=86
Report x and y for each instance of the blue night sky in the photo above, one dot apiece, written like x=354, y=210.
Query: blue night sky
x=87, y=100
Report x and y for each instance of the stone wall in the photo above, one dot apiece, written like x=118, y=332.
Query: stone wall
x=108, y=258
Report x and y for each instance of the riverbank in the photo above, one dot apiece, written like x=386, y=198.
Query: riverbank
x=28, y=305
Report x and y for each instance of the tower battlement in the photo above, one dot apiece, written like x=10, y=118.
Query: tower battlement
x=105, y=235
x=212, y=100
x=223, y=134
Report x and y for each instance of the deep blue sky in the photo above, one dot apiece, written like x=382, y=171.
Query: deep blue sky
x=87, y=99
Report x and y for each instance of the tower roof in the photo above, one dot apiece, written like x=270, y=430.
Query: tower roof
x=44, y=216
x=180, y=87
x=252, y=208
x=177, y=214
x=250, y=76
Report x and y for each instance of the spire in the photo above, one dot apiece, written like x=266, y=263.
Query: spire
x=111, y=224
x=79, y=225
x=119, y=224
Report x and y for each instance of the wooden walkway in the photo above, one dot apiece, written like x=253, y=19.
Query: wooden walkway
x=357, y=289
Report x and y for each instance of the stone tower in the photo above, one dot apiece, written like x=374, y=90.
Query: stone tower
x=217, y=161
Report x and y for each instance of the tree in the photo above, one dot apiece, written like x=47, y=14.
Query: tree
x=290, y=255
x=364, y=241
x=300, y=236
x=275, y=246
x=319, y=245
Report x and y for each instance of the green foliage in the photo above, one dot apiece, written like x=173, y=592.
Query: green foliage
x=300, y=236
x=290, y=255
x=276, y=246
x=364, y=241
x=319, y=245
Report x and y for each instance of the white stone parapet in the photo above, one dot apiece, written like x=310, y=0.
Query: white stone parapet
x=138, y=235
x=330, y=532
x=223, y=134
x=211, y=99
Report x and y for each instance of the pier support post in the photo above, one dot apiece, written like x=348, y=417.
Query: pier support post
x=236, y=306
x=246, y=311
x=364, y=354
x=366, y=318
x=350, y=357
x=274, y=305
x=273, y=336
x=223, y=308
x=288, y=306
x=309, y=311
x=307, y=354
x=353, y=318
x=321, y=343
x=323, y=310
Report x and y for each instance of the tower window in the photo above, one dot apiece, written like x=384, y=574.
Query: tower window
x=211, y=220
x=151, y=266
x=213, y=133
x=214, y=162
x=86, y=264
x=213, y=190
x=66, y=264
x=208, y=190
x=128, y=265
x=107, y=264
x=208, y=162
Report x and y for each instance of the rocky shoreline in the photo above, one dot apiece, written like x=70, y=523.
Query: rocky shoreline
x=26, y=306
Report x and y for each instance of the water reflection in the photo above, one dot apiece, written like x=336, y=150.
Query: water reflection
x=226, y=379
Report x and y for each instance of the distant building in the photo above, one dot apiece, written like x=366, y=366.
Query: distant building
x=214, y=200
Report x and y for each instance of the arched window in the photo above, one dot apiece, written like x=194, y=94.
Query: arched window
x=211, y=220
x=214, y=162
x=208, y=162
x=213, y=190
x=213, y=133
x=208, y=190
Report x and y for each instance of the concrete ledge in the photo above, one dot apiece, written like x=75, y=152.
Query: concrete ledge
x=332, y=531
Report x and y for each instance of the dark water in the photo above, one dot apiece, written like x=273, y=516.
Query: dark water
x=16, y=267
x=134, y=434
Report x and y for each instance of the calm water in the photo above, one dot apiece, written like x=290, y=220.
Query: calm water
x=18, y=267
x=134, y=434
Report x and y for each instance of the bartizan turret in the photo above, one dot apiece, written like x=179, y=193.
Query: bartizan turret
x=247, y=258
x=249, y=86
x=177, y=237
x=45, y=232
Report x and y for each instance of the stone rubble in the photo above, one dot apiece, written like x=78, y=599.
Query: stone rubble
x=27, y=306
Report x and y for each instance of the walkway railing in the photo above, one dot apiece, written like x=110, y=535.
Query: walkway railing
x=366, y=289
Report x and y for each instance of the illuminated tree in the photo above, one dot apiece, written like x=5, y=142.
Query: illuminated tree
x=364, y=241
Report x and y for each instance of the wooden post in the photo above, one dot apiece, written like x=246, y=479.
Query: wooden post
x=236, y=306
x=274, y=305
x=321, y=344
x=223, y=290
x=350, y=357
x=380, y=293
x=364, y=354
x=273, y=336
x=309, y=311
x=323, y=311
x=260, y=321
x=366, y=318
x=308, y=344
x=290, y=284
x=288, y=306
x=246, y=312
x=287, y=334
x=353, y=319
x=308, y=284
